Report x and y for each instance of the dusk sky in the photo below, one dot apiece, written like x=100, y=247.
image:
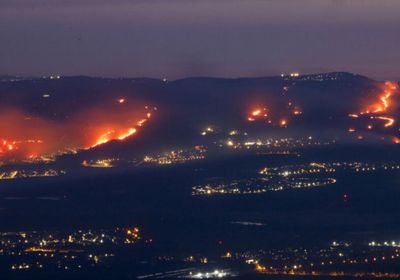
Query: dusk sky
x=180, y=38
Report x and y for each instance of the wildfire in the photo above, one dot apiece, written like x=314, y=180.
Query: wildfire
x=384, y=101
x=391, y=85
x=121, y=134
x=258, y=114
x=130, y=132
x=113, y=135
x=383, y=108
x=263, y=114
x=353, y=115
x=389, y=121
x=396, y=140
x=141, y=122
x=103, y=138
x=8, y=147
x=297, y=111
x=86, y=129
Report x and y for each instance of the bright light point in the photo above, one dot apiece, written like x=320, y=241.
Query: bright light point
x=396, y=140
x=209, y=275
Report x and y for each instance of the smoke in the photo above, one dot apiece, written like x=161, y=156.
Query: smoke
x=25, y=136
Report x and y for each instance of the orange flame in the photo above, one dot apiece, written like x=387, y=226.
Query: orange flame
x=382, y=108
x=389, y=121
x=283, y=122
x=384, y=101
x=130, y=132
x=396, y=140
x=112, y=134
x=88, y=129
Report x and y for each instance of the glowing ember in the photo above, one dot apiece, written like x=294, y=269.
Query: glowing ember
x=141, y=122
x=391, y=85
x=389, y=121
x=87, y=129
x=257, y=114
x=297, y=112
x=396, y=140
x=353, y=115
x=7, y=147
x=263, y=114
x=382, y=108
x=283, y=123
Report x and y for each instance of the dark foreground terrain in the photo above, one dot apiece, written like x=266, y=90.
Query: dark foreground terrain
x=181, y=234
x=200, y=178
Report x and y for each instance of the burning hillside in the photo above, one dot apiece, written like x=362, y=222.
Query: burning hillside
x=23, y=136
x=379, y=112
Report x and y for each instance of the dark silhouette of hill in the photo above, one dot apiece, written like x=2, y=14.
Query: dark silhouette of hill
x=186, y=106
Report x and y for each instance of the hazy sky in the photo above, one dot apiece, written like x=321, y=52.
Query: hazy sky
x=179, y=38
